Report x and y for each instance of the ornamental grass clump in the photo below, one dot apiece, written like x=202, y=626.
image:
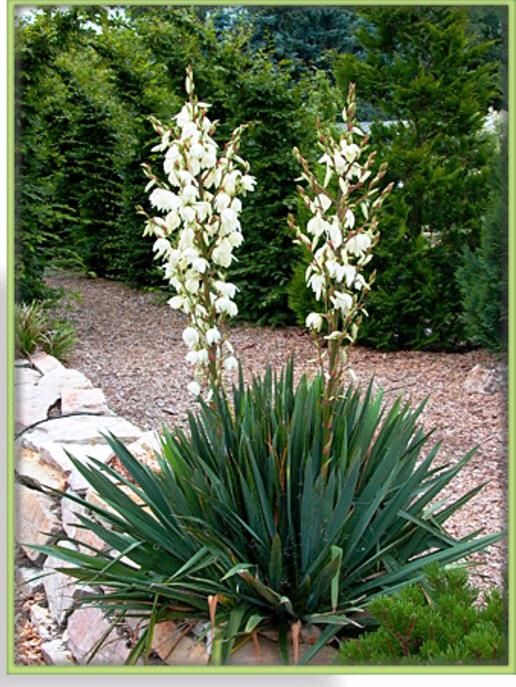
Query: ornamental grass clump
x=196, y=237
x=282, y=505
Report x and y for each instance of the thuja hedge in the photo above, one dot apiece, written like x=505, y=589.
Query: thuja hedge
x=84, y=98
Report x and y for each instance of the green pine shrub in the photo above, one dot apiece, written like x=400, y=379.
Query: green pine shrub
x=434, y=622
x=248, y=507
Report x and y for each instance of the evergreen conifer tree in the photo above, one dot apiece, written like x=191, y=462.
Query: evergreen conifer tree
x=425, y=74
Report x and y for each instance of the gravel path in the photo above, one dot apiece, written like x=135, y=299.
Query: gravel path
x=130, y=345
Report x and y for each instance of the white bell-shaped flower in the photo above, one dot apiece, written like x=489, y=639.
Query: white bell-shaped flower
x=212, y=336
x=314, y=321
x=190, y=337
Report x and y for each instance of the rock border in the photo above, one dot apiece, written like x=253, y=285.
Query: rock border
x=58, y=411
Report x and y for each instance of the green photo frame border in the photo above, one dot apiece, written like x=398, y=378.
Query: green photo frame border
x=12, y=667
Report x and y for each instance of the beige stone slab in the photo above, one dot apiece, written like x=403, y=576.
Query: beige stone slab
x=86, y=627
x=45, y=363
x=37, y=520
x=58, y=379
x=28, y=578
x=71, y=525
x=83, y=400
x=86, y=429
x=41, y=619
x=56, y=455
x=144, y=450
x=176, y=649
x=24, y=376
x=32, y=405
x=55, y=653
x=268, y=653
x=32, y=470
x=60, y=589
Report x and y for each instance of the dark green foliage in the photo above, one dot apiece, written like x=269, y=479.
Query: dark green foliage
x=490, y=23
x=425, y=73
x=87, y=120
x=37, y=160
x=483, y=276
x=435, y=622
x=246, y=507
x=267, y=96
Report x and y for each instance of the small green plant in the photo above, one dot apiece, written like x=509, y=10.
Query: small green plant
x=250, y=515
x=36, y=329
x=433, y=622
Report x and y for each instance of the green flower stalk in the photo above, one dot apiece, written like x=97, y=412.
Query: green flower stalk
x=340, y=237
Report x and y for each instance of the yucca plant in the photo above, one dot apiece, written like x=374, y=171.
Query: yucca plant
x=246, y=523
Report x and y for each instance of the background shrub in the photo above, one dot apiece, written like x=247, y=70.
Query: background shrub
x=98, y=87
x=88, y=79
x=482, y=278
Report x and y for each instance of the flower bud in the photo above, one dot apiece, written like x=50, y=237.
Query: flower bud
x=230, y=363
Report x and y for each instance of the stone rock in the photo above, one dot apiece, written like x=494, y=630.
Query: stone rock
x=37, y=521
x=45, y=363
x=75, y=400
x=85, y=429
x=58, y=379
x=34, y=472
x=72, y=525
x=85, y=628
x=175, y=649
x=483, y=380
x=42, y=621
x=24, y=376
x=144, y=450
x=22, y=362
x=55, y=653
x=269, y=654
x=32, y=404
x=60, y=589
x=55, y=455
x=29, y=578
